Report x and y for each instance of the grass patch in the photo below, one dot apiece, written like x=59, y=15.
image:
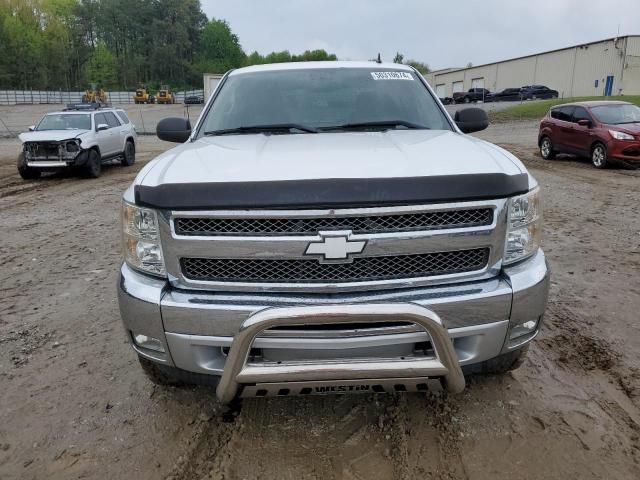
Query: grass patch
x=535, y=110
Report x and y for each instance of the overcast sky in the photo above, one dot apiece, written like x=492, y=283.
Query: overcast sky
x=439, y=33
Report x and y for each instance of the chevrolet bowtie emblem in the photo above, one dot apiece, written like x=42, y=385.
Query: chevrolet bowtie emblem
x=335, y=247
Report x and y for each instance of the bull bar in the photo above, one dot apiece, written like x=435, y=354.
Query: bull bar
x=238, y=372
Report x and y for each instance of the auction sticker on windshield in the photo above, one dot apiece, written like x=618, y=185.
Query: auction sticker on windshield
x=391, y=76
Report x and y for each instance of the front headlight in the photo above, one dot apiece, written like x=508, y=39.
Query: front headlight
x=524, y=226
x=620, y=135
x=141, y=239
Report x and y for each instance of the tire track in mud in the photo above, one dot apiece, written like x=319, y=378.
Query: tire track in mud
x=572, y=167
x=334, y=437
x=573, y=348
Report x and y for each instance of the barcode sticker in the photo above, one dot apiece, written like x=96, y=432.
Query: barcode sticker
x=391, y=76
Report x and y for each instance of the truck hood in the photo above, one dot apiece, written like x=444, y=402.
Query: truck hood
x=340, y=160
x=50, y=135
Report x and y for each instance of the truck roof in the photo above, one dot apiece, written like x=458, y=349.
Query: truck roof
x=313, y=65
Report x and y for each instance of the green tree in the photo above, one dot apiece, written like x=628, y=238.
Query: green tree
x=421, y=67
x=102, y=67
x=219, y=48
x=314, y=56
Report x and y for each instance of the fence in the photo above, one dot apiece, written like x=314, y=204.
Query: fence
x=38, y=97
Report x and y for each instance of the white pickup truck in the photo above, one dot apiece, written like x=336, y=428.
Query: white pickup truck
x=328, y=227
x=83, y=137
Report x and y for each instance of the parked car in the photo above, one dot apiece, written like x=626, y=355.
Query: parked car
x=533, y=92
x=603, y=130
x=297, y=245
x=472, y=95
x=193, y=99
x=83, y=136
x=507, y=95
x=447, y=101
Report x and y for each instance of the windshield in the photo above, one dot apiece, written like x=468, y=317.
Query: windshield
x=330, y=99
x=65, y=121
x=617, y=114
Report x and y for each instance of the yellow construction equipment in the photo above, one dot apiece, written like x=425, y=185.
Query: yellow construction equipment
x=143, y=95
x=95, y=94
x=165, y=95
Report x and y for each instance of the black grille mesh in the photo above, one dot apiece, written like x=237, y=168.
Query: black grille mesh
x=310, y=226
x=362, y=269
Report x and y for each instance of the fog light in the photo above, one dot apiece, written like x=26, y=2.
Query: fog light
x=149, y=343
x=522, y=329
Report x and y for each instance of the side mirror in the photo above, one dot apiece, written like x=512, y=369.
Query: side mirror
x=101, y=127
x=32, y=128
x=174, y=129
x=471, y=120
x=584, y=122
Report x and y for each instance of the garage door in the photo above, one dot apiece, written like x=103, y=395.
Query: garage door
x=458, y=87
x=477, y=83
x=441, y=90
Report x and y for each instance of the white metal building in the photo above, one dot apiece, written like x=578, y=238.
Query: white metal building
x=603, y=68
x=211, y=81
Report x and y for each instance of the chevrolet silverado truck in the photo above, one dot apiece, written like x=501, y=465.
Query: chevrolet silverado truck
x=327, y=227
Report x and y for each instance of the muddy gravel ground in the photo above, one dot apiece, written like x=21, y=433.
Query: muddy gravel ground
x=74, y=404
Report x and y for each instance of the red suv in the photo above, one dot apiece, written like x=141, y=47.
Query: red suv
x=604, y=130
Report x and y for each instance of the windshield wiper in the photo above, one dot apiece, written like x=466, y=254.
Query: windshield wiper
x=277, y=127
x=384, y=124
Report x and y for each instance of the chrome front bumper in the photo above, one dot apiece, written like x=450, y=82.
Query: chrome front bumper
x=237, y=372
x=213, y=333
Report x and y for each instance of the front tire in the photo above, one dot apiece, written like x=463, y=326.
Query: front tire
x=157, y=374
x=467, y=100
x=25, y=171
x=546, y=149
x=165, y=375
x=129, y=155
x=599, y=156
x=93, y=167
x=498, y=365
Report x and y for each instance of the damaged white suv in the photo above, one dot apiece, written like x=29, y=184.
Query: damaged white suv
x=82, y=136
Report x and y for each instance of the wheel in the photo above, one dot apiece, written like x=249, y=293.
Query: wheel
x=172, y=376
x=26, y=172
x=546, y=149
x=157, y=374
x=93, y=167
x=501, y=364
x=599, y=156
x=467, y=100
x=129, y=155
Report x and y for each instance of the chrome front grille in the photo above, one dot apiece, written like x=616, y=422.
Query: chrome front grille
x=421, y=221
x=362, y=269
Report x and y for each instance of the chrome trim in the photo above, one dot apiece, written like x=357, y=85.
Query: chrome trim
x=176, y=247
x=237, y=371
x=204, y=354
x=214, y=313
